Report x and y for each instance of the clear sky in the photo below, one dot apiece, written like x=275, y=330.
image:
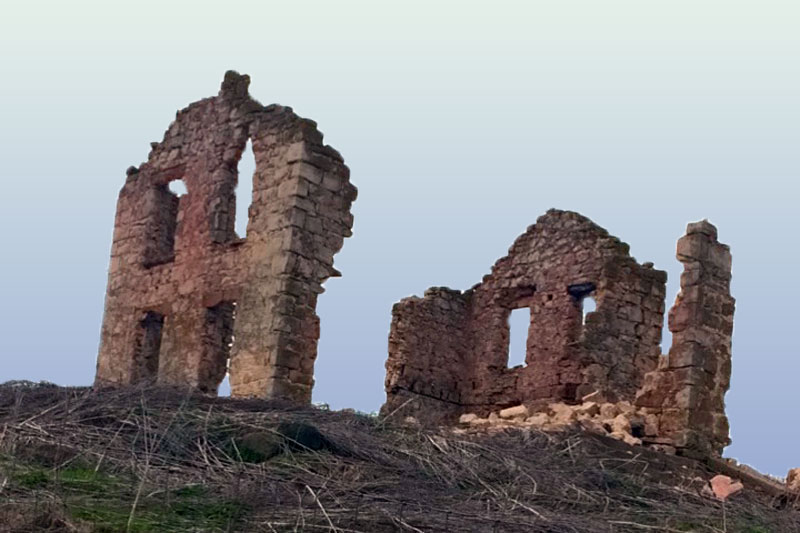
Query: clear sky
x=461, y=122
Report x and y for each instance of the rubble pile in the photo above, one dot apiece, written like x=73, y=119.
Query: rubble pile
x=617, y=420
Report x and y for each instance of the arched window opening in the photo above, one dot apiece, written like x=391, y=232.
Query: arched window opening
x=244, y=189
x=519, y=322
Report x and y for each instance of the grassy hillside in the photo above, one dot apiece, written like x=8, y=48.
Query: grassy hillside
x=159, y=460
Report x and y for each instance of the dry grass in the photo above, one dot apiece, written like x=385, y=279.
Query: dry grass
x=161, y=460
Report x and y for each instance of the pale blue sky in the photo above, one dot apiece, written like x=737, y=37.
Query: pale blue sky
x=461, y=123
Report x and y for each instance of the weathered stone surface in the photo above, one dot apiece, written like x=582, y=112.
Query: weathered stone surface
x=448, y=351
x=609, y=410
x=518, y=411
x=620, y=424
x=559, y=416
x=467, y=418
x=185, y=293
x=793, y=480
x=724, y=487
x=588, y=409
x=684, y=399
x=539, y=419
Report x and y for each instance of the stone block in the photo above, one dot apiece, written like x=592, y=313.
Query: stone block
x=518, y=411
x=538, y=420
x=793, y=480
x=467, y=418
x=588, y=409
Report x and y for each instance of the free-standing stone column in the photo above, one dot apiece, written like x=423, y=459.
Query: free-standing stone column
x=684, y=397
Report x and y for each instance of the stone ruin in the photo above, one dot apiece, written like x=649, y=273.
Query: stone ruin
x=448, y=351
x=684, y=399
x=188, y=299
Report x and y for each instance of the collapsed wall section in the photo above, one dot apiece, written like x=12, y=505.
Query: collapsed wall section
x=187, y=297
x=684, y=399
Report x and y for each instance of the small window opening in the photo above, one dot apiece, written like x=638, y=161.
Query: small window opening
x=589, y=305
x=148, y=346
x=177, y=187
x=519, y=321
x=582, y=297
x=244, y=189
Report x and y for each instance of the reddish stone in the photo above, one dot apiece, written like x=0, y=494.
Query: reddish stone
x=460, y=339
x=692, y=386
x=185, y=292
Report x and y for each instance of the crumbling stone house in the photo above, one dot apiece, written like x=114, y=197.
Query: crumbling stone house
x=448, y=351
x=187, y=297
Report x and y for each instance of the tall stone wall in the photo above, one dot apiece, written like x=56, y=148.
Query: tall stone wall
x=684, y=399
x=452, y=348
x=187, y=297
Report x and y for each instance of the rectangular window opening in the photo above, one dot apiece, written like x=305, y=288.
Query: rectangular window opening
x=162, y=222
x=588, y=305
x=583, y=295
x=519, y=322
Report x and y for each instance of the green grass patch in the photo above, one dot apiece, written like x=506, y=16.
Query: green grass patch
x=756, y=529
x=190, y=509
x=32, y=479
x=105, y=501
x=77, y=478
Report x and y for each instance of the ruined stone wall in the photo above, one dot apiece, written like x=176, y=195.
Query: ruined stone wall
x=683, y=400
x=434, y=328
x=183, y=287
x=551, y=269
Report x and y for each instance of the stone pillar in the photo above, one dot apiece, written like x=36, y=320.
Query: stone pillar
x=684, y=398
